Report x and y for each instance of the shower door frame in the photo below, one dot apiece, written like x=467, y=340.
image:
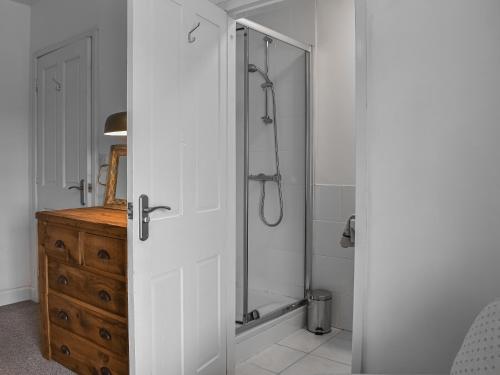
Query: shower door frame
x=250, y=25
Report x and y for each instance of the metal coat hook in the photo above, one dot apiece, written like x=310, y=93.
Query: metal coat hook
x=192, y=39
x=58, y=84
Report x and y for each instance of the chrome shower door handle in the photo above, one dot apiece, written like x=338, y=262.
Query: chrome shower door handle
x=80, y=187
x=144, y=211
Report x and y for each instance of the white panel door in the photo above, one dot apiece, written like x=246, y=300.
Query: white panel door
x=178, y=143
x=64, y=126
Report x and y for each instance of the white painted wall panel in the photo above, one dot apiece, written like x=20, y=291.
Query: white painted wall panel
x=15, y=276
x=433, y=178
x=167, y=294
x=334, y=122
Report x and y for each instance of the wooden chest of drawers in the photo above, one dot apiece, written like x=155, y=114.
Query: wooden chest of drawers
x=82, y=260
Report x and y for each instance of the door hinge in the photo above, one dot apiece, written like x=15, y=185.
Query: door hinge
x=130, y=210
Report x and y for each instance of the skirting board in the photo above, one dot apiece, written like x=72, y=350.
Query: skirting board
x=259, y=338
x=10, y=296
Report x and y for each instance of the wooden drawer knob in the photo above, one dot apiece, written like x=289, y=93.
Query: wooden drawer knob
x=105, y=371
x=62, y=315
x=104, y=296
x=65, y=350
x=59, y=244
x=105, y=335
x=103, y=254
x=62, y=280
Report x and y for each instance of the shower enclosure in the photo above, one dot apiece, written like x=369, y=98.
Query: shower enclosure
x=274, y=191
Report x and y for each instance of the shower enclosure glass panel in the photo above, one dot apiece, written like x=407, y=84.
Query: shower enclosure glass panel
x=273, y=175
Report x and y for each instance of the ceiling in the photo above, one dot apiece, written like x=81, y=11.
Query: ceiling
x=27, y=2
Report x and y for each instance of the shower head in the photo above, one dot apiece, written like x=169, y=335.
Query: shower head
x=252, y=68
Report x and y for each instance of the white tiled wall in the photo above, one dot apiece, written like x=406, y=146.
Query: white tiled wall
x=333, y=266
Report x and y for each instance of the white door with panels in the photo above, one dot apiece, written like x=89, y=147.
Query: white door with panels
x=178, y=183
x=63, y=126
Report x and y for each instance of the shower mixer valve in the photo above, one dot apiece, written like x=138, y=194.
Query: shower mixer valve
x=265, y=177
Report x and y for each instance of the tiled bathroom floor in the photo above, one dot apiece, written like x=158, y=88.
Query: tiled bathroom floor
x=303, y=353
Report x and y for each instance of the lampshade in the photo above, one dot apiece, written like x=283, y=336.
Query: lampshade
x=116, y=124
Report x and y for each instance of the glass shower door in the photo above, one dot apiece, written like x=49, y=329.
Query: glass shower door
x=273, y=175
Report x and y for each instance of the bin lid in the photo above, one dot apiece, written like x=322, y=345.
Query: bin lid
x=320, y=295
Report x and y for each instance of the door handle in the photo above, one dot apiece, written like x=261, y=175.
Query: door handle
x=80, y=187
x=144, y=211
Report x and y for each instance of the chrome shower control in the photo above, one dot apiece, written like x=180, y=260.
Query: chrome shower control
x=266, y=120
x=265, y=177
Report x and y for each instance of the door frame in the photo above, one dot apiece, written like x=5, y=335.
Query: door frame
x=235, y=8
x=362, y=252
x=231, y=190
x=93, y=34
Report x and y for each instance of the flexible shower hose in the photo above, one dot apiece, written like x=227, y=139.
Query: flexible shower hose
x=278, y=174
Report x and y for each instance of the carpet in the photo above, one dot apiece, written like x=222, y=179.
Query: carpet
x=20, y=343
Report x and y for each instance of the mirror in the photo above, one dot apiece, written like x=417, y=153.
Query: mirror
x=116, y=186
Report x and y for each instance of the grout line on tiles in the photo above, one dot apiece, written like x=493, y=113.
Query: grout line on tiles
x=331, y=360
x=289, y=347
x=263, y=368
x=286, y=368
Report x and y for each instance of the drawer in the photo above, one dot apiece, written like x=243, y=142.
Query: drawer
x=82, y=356
x=99, y=291
x=104, y=331
x=105, y=254
x=62, y=243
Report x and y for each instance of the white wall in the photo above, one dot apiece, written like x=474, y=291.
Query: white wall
x=334, y=154
x=432, y=179
x=334, y=127
x=329, y=26
x=54, y=21
x=294, y=18
x=15, y=276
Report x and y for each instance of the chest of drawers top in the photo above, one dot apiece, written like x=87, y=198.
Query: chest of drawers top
x=102, y=220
